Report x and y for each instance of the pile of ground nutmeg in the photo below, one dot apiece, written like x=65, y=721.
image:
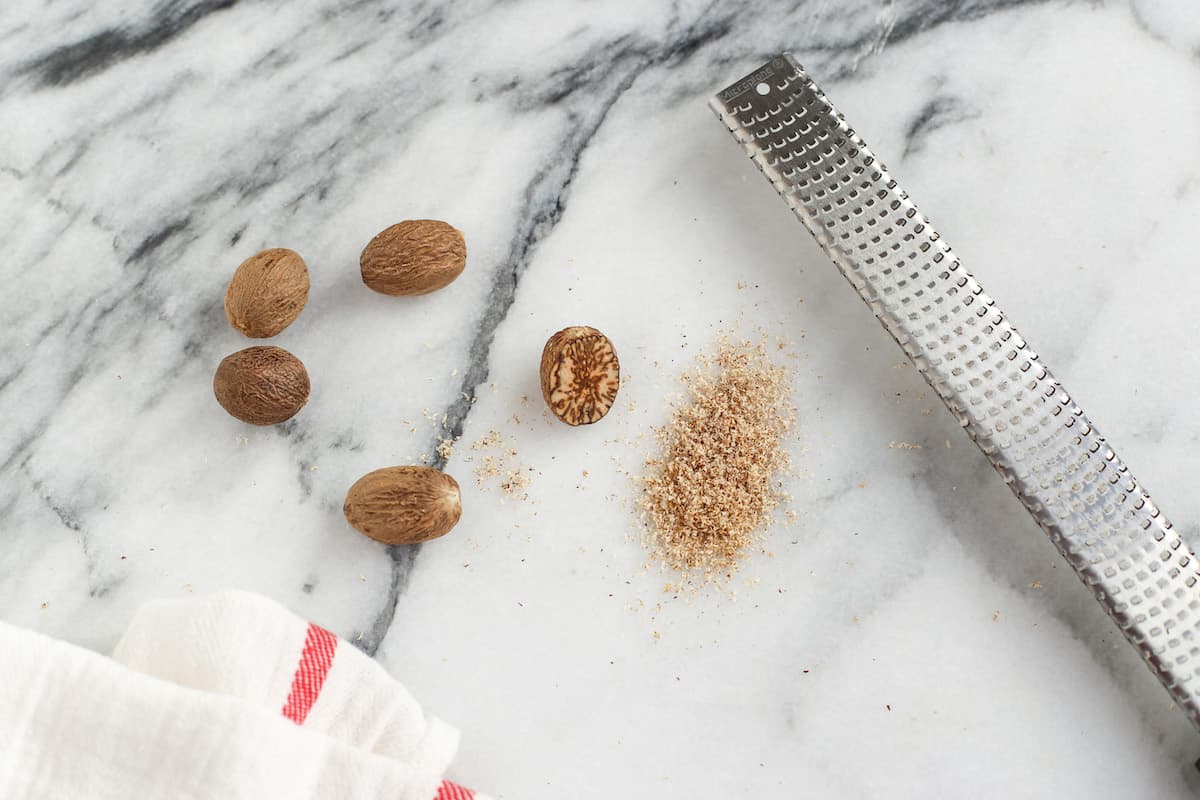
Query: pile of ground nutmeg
x=711, y=486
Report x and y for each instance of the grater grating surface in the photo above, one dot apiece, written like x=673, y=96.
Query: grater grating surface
x=1056, y=462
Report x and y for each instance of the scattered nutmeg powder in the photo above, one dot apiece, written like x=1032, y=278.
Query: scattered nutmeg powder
x=497, y=461
x=711, y=486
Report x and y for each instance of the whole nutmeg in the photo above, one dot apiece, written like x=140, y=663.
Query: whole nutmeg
x=261, y=385
x=580, y=374
x=267, y=293
x=403, y=505
x=417, y=256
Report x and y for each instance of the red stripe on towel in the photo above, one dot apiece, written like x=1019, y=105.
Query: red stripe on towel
x=315, y=661
x=452, y=791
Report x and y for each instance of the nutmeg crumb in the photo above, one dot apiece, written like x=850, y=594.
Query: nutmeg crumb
x=498, y=462
x=711, y=486
x=445, y=448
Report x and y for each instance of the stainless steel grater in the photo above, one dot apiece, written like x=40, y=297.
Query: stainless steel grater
x=1084, y=497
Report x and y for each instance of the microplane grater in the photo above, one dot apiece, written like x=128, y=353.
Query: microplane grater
x=1047, y=450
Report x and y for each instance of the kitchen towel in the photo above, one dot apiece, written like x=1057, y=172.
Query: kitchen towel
x=226, y=696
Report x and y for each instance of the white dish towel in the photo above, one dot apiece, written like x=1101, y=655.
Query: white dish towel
x=228, y=696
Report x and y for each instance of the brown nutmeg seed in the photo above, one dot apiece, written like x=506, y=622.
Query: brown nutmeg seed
x=403, y=505
x=261, y=385
x=580, y=375
x=417, y=256
x=267, y=293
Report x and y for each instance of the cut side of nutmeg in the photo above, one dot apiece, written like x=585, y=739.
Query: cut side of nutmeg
x=580, y=375
x=261, y=385
x=267, y=293
x=403, y=505
x=417, y=256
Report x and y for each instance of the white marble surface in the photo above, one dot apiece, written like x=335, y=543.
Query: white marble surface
x=914, y=634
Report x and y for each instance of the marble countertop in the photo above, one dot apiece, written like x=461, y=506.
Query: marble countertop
x=912, y=634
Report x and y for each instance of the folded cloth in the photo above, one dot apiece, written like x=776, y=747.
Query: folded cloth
x=249, y=647
x=226, y=696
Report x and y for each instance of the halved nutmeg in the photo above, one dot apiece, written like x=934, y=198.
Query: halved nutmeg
x=580, y=375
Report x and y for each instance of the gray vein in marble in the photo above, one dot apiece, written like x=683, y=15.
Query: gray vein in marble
x=837, y=38
x=79, y=60
x=908, y=19
x=69, y=517
x=1179, y=36
x=937, y=112
x=155, y=240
